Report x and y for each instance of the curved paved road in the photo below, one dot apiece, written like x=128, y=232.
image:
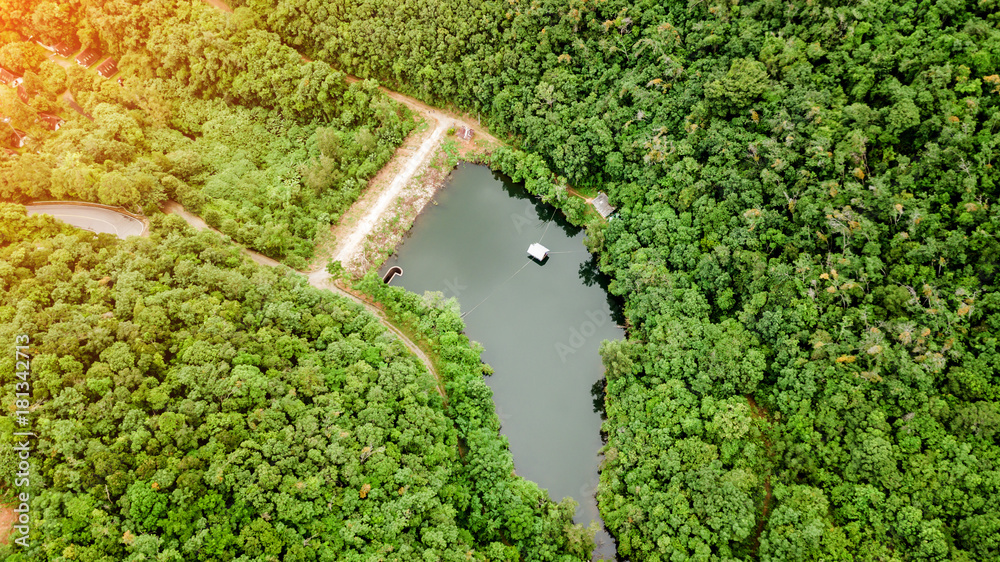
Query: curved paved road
x=94, y=219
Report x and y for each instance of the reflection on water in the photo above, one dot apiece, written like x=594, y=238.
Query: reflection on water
x=541, y=323
x=597, y=394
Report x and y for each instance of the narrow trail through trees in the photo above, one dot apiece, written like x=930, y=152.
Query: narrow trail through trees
x=321, y=280
x=365, y=214
x=758, y=412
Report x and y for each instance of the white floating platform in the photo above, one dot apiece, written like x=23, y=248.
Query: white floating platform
x=538, y=251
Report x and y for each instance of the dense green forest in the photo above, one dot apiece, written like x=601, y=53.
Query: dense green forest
x=193, y=405
x=806, y=244
x=808, y=220
x=212, y=112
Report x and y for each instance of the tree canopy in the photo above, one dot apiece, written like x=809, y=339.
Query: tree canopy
x=212, y=112
x=806, y=243
x=193, y=405
x=807, y=217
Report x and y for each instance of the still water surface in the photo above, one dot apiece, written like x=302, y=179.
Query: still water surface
x=541, y=324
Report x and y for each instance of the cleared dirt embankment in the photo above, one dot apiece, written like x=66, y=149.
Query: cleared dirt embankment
x=398, y=178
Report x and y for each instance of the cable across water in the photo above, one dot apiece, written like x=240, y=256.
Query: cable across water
x=495, y=289
x=554, y=209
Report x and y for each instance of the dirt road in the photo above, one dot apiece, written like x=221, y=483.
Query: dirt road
x=367, y=212
x=351, y=246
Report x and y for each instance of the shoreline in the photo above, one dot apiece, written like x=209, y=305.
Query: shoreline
x=430, y=178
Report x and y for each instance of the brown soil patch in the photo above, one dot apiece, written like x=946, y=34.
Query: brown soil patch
x=219, y=4
x=573, y=191
x=7, y=520
x=414, y=198
x=481, y=142
x=394, y=224
x=756, y=411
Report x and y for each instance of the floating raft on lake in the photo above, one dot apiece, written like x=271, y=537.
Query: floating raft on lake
x=538, y=251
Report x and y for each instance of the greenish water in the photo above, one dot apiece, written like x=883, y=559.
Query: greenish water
x=541, y=324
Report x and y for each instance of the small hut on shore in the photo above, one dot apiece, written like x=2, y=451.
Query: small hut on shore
x=603, y=205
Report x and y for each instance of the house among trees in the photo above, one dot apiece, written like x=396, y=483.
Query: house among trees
x=466, y=133
x=108, y=68
x=11, y=152
x=9, y=78
x=53, y=122
x=18, y=138
x=22, y=93
x=88, y=57
x=66, y=48
x=603, y=205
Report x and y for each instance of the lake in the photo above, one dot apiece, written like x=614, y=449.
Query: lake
x=541, y=324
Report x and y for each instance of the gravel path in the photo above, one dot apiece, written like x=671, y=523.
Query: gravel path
x=364, y=227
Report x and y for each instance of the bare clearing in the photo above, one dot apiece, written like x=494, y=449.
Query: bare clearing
x=393, y=225
x=7, y=519
x=360, y=220
x=331, y=245
x=219, y=4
